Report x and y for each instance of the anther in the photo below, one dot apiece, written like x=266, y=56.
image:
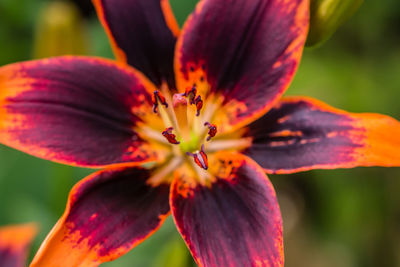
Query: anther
x=167, y=133
x=191, y=94
x=158, y=97
x=200, y=158
x=199, y=104
x=212, y=130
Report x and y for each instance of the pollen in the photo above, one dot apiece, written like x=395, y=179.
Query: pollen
x=212, y=130
x=200, y=158
x=156, y=98
x=167, y=133
x=199, y=104
x=191, y=94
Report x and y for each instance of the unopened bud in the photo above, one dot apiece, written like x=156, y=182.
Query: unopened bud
x=326, y=16
x=59, y=31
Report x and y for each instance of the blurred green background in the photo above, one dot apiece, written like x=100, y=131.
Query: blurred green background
x=332, y=218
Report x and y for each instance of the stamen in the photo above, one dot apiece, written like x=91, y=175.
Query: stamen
x=199, y=104
x=212, y=130
x=167, y=115
x=234, y=144
x=149, y=133
x=191, y=94
x=200, y=158
x=158, y=97
x=212, y=104
x=161, y=174
x=167, y=133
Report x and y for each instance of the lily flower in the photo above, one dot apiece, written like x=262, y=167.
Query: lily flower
x=15, y=241
x=188, y=122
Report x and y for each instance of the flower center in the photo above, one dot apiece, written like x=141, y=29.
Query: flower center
x=184, y=125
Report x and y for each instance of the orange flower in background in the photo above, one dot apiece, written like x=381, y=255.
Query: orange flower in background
x=15, y=241
x=184, y=122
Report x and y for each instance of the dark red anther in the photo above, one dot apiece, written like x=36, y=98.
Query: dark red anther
x=167, y=133
x=212, y=130
x=200, y=158
x=191, y=94
x=204, y=158
x=158, y=97
x=199, y=104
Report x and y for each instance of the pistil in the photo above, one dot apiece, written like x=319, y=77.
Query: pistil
x=180, y=107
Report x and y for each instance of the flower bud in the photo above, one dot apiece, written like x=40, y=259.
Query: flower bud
x=59, y=31
x=326, y=16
